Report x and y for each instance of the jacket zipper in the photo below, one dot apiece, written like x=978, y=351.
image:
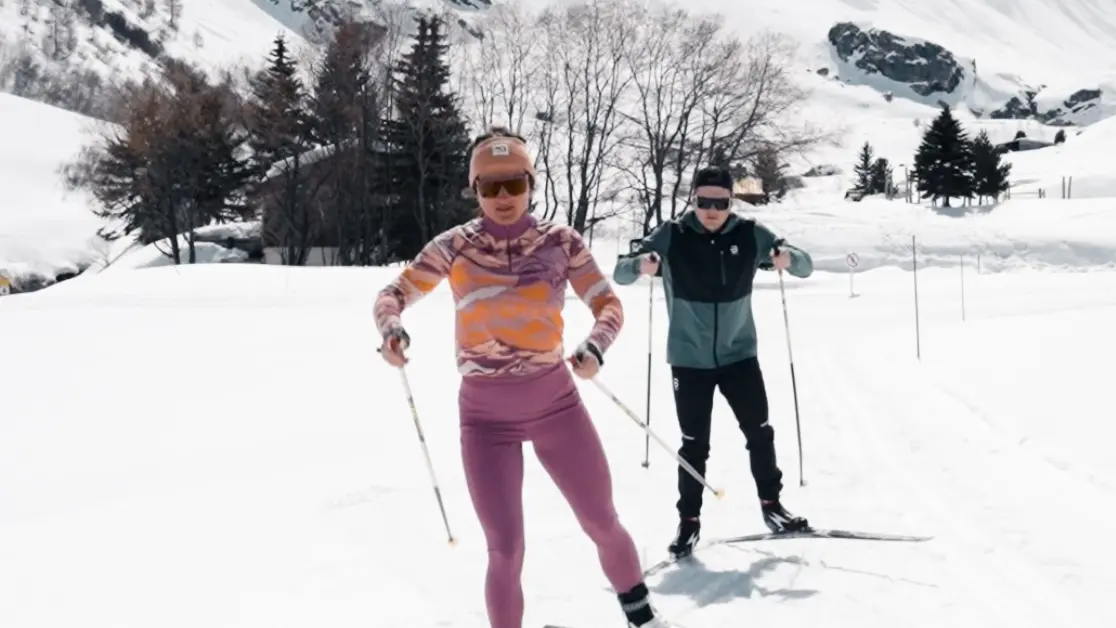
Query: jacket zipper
x=507, y=243
x=717, y=307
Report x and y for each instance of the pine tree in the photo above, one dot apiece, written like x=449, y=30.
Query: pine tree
x=990, y=176
x=863, y=170
x=429, y=140
x=277, y=120
x=347, y=113
x=771, y=172
x=173, y=165
x=880, y=180
x=943, y=163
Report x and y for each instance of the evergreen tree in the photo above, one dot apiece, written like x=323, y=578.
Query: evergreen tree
x=429, y=141
x=880, y=180
x=174, y=164
x=863, y=170
x=943, y=163
x=771, y=172
x=347, y=110
x=990, y=176
x=276, y=117
x=1060, y=136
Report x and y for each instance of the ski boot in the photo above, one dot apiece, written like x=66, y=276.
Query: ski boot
x=779, y=520
x=689, y=532
x=639, y=611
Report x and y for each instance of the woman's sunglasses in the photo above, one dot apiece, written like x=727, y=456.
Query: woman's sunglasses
x=713, y=203
x=491, y=188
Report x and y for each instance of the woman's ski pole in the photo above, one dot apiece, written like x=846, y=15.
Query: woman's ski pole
x=650, y=328
x=635, y=417
x=426, y=453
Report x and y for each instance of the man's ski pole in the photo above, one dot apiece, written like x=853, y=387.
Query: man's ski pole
x=426, y=453
x=635, y=417
x=794, y=383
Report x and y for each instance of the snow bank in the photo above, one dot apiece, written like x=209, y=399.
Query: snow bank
x=1014, y=235
x=44, y=231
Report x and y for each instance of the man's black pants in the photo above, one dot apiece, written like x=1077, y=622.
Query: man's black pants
x=742, y=386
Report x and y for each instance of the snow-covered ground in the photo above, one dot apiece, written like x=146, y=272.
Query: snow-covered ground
x=43, y=228
x=221, y=446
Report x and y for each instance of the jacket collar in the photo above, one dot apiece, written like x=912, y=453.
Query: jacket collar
x=690, y=221
x=514, y=230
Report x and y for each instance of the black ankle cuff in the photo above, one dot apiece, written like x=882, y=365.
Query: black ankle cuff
x=637, y=605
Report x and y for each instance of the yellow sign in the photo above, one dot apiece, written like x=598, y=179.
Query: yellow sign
x=5, y=286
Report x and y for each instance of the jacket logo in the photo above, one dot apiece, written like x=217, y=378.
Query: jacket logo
x=733, y=250
x=500, y=150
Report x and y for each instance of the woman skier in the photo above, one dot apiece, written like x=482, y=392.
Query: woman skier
x=508, y=274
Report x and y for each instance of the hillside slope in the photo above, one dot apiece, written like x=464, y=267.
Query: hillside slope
x=65, y=56
x=44, y=231
x=1001, y=49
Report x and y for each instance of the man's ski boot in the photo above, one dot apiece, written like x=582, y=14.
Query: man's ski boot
x=779, y=519
x=689, y=532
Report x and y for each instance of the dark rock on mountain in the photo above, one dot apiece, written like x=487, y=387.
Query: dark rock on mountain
x=926, y=67
x=1027, y=109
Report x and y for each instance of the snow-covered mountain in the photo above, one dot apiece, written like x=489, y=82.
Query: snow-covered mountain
x=1040, y=59
x=977, y=53
x=877, y=70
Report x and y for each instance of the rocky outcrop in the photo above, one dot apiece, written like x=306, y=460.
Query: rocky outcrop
x=935, y=74
x=1026, y=108
x=925, y=67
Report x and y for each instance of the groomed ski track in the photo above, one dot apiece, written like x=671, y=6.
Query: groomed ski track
x=1019, y=534
x=1006, y=551
x=297, y=495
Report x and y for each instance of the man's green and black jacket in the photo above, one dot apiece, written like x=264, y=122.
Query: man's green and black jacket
x=708, y=280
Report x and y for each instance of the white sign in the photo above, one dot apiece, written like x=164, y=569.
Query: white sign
x=853, y=260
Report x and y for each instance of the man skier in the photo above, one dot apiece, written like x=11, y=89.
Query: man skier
x=710, y=257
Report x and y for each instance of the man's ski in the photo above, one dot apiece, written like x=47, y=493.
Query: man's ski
x=812, y=533
x=822, y=533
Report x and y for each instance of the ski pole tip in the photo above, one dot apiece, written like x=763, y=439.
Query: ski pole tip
x=719, y=493
x=452, y=542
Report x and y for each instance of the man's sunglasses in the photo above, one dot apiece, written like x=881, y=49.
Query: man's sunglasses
x=713, y=203
x=515, y=186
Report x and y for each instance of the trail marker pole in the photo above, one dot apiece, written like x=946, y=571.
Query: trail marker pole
x=852, y=260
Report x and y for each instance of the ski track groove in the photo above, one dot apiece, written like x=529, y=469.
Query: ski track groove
x=855, y=410
x=958, y=479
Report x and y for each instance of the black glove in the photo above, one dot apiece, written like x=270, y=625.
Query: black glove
x=401, y=334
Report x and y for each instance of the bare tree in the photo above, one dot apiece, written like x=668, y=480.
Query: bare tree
x=174, y=11
x=61, y=36
x=671, y=68
x=586, y=44
x=500, y=69
x=751, y=102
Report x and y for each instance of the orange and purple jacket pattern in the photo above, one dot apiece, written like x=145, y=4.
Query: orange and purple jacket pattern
x=509, y=285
